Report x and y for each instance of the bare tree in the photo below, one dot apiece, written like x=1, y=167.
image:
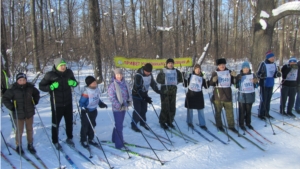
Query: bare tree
x=34, y=37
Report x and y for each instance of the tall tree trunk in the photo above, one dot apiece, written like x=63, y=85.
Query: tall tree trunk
x=194, y=45
x=36, y=62
x=5, y=65
x=235, y=29
x=215, y=29
x=54, y=27
x=112, y=26
x=135, y=47
x=41, y=28
x=160, y=23
x=176, y=29
x=94, y=13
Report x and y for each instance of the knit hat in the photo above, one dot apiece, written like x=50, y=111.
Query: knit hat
x=269, y=54
x=197, y=66
x=89, y=80
x=58, y=62
x=118, y=71
x=221, y=61
x=170, y=60
x=293, y=60
x=20, y=75
x=148, y=67
x=246, y=65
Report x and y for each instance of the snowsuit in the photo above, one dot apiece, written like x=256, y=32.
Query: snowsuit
x=168, y=78
x=222, y=96
x=89, y=100
x=194, y=97
x=246, y=96
x=290, y=81
x=266, y=86
x=297, y=103
x=139, y=94
x=118, y=93
x=63, y=100
x=24, y=95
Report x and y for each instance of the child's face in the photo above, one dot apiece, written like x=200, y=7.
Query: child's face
x=221, y=67
x=245, y=70
x=21, y=81
x=62, y=68
x=197, y=71
x=93, y=85
x=119, y=77
x=170, y=65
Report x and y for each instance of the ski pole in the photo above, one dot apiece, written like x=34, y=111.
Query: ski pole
x=98, y=140
x=43, y=126
x=150, y=129
x=164, y=129
x=236, y=109
x=56, y=121
x=162, y=163
x=5, y=143
x=18, y=131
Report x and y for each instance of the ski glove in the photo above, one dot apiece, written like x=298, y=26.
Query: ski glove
x=215, y=79
x=72, y=83
x=263, y=75
x=278, y=74
x=54, y=85
x=102, y=105
x=255, y=80
x=148, y=99
x=129, y=103
x=233, y=73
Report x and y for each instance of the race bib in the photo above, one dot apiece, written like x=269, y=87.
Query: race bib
x=195, y=83
x=147, y=81
x=170, y=76
x=224, y=79
x=292, y=75
x=93, y=97
x=271, y=68
x=247, y=84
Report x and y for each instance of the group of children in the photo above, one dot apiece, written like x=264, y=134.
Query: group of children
x=22, y=97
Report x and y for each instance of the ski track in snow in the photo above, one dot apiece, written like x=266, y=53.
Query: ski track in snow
x=284, y=153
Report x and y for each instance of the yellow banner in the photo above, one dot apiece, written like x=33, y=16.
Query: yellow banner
x=136, y=63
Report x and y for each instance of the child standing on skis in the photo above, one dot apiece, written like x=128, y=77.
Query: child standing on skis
x=88, y=102
x=21, y=100
x=246, y=84
x=194, y=97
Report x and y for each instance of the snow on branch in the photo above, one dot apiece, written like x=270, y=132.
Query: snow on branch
x=264, y=14
x=263, y=24
x=203, y=53
x=161, y=28
x=289, y=6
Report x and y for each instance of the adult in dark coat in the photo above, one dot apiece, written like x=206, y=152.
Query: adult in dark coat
x=297, y=102
x=59, y=83
x=194, y=97
x=20, y=100
x=143, y=79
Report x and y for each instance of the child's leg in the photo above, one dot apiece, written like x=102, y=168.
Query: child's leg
x=20, y=127
x=29, y=130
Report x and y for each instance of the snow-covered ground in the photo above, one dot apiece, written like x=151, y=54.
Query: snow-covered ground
x=283, y=153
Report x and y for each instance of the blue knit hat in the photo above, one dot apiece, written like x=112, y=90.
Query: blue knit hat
x=269, y=54
x=246, y=65
x=293, y=60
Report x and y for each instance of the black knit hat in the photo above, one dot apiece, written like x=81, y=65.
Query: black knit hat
x=20, y=75
x=148, y=67
x=221, y=61
x=89, y=80
x=170, y=60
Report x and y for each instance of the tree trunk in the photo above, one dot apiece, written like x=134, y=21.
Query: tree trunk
x=36, y=62
x=194, y=45
x=4, y=65
x=41, y=29
x=95, y=32
x=235, y=29
x=160, y=23
x=215, y=29
x=134, y=47
x=112, y=26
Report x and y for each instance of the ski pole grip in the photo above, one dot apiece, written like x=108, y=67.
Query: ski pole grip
x=15, y=103
x=33, y=101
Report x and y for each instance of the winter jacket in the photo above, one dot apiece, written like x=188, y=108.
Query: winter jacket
x=221, y=94
x=165, y=89
x=269, y=81
x=90, y=99
x=112, y=94
x=139, y=90
x=195, y=100
x=23, y=95
x=287, y=70
x=245, y=97
x=63, y=94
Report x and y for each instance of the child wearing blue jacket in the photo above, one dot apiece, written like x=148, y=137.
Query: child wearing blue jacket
x=246, y=84
x=88, y=102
